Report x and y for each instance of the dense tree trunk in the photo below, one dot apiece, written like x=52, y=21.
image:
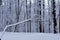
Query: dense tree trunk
x=39, y=12
x=54, y=16
x=0, y=2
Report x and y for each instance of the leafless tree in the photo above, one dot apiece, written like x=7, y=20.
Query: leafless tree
x=54, y=16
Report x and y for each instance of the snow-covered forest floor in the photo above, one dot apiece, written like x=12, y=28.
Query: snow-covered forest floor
x=40, y=19
x=30, y=36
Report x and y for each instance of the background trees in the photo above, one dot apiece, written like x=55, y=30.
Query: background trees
x=45, y=15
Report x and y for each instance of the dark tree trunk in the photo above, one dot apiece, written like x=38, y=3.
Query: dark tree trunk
x=0, y=2
x=54, y=16
x=40, y=22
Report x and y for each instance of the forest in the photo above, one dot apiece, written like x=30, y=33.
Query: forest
x=44, y=15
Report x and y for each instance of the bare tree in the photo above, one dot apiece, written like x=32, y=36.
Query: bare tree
x=18, y=11
x=39, y=11
x=54, y=16
x=0, y=2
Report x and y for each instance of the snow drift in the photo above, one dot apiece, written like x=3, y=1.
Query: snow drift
x=30, y=36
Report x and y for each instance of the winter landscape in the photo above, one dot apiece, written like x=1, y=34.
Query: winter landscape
x=29, y=19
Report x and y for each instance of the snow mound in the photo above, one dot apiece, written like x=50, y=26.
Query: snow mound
x=30, y=36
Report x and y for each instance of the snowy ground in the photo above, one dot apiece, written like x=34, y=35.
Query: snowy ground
x=30, y=36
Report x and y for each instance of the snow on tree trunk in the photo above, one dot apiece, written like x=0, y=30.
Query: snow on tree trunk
x=57, y=14
x=1, y=17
